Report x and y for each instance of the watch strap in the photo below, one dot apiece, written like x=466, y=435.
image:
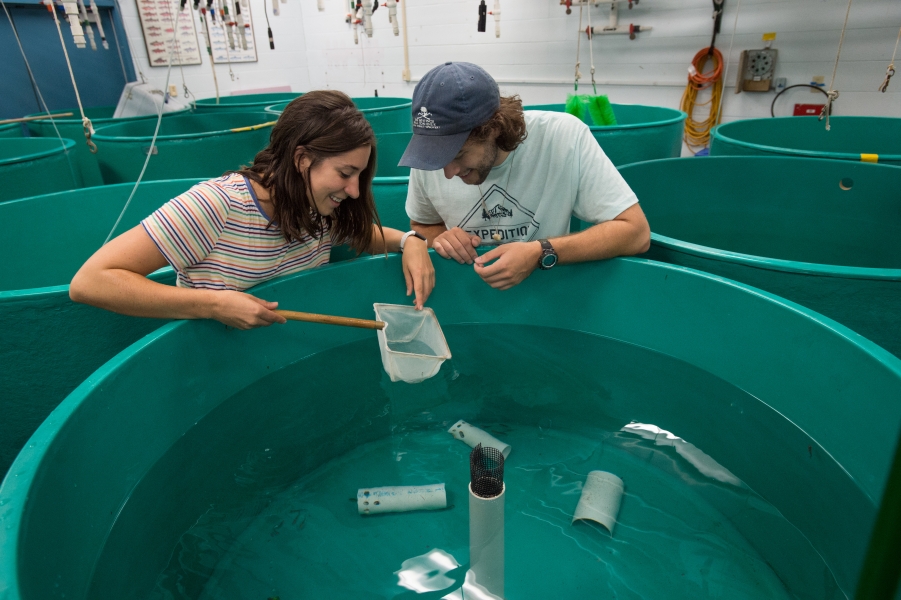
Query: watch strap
x=403, y=238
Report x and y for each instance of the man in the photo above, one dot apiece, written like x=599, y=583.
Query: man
x=485, y=172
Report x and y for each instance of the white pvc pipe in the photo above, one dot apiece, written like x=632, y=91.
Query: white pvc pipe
x=497, y=18
x=486, y=542
x=406, y=74
x=473, y=436
x=372, y=501
x=600, y=499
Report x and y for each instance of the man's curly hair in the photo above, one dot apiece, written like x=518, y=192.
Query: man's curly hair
x=507, y=121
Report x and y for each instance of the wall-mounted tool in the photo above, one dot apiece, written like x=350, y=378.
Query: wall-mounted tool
x=86, y=24
x=497, y=18
x=71, y=9
x=613, y=26
x=392, y=15
x=239, y=26
x=483, y=16
x=757, y=68
x=367, y=19
x=94, y=16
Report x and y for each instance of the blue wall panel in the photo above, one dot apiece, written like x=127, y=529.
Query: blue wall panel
x=99, y=74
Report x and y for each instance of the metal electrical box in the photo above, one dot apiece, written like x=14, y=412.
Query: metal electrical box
x=756, y=70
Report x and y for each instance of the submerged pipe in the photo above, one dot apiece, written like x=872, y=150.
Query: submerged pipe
x=486, y=519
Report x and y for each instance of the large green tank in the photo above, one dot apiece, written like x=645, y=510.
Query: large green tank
x=386, y=115
x=11, y=130
x=641, y=133
x=30, y=166
x=819, y=232
x=867, y=139
x=71, y=127
x=200, y=449
x=50, y=344
x=244, y=102
x=190, y=145
x=391, y=147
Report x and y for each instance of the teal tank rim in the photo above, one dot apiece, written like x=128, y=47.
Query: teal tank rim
x=717, y=134
x=99, y=136
x=763, y=262
x=776, y=264
x=407, y=104
x=9, y=126
x=63, y=289
x=104, y=121
x=52, y=144
x=279, y=107
x=212, y=102
x=678, y=117
x=24, y=472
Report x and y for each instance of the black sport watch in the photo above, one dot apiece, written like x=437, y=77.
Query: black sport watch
x=548, y=256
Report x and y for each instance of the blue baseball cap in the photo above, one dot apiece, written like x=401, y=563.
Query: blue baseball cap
x=449, y=101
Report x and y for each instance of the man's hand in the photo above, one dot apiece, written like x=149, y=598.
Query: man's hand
x=243, y=311
x=418, y=270
x=515, y=261
x=458, y=245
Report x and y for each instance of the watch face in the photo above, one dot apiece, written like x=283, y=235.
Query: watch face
x=548, y=260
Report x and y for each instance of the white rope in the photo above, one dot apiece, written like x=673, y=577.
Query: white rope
x=719, y=110
x=159, y=120
x=578, y=51
x=891, y=67
x=37, y=90
x=832, y=94
x=590, y=50
x=85, y=121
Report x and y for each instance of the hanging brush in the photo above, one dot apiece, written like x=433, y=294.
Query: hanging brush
x=593, y=110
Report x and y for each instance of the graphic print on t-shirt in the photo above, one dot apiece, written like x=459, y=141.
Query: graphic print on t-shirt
x=504, y=215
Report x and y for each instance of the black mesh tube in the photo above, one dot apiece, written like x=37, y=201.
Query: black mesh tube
x=486, y=469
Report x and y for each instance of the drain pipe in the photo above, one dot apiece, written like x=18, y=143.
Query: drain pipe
x=406, y=74
x=486, y=519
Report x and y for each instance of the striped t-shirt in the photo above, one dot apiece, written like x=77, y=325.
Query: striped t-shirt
x=215, y=236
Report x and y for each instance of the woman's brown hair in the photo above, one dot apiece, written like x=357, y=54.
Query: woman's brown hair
x=507, y=121
x=325, y=123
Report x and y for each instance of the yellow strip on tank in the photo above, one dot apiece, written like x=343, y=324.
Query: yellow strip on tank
x=871, y=158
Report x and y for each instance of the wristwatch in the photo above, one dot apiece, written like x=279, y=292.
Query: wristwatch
x=548, y=256
x=403, y=239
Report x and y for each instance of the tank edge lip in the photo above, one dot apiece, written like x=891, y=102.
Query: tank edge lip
x=13, y=491
x=104, y=121
x=776, y=264
x=100, y=137
x=717, y=135
x=678, y=117
x=54, y=149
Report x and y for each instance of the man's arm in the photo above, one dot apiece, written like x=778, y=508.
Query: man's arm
x=628, y=233
x=429, y=231
x=449, y=243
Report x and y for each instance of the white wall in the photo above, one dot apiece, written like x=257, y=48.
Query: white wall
x=284, y=66
x=535, y=55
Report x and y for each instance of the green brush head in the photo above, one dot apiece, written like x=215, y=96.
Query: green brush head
x=592, y=110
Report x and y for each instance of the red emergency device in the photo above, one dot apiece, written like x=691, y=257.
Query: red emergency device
x=808, y=110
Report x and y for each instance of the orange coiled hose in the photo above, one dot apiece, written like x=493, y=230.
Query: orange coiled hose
x=697, y=132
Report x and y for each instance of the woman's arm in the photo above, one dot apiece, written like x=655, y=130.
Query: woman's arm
x=114, y=278
x=418, y=270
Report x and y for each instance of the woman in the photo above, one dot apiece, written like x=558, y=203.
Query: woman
x=310, y=188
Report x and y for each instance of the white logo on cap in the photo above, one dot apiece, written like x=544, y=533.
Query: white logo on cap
x=423, y=119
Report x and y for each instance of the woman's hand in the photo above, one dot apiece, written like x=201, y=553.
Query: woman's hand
x=243, y=311
x=418, y=270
